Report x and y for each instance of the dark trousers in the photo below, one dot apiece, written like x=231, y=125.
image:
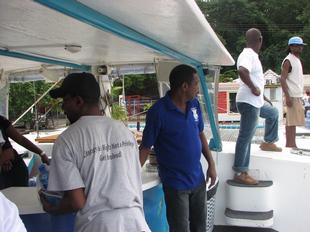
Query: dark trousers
x=186, y=211
x=17, y=176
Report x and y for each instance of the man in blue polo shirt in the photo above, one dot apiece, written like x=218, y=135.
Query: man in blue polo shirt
x=174, y=126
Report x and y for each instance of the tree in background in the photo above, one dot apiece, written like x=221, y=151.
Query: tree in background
x=138, y=84
x=144, y=85
x=23, y=95
x=277, y=20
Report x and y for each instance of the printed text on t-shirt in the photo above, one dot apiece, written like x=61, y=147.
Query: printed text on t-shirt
x=113, y=148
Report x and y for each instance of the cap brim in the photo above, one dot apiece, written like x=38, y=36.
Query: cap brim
x=57, y=93
x=298, y=44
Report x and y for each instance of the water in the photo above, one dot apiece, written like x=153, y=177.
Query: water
x=43, y=176
x=307, y=120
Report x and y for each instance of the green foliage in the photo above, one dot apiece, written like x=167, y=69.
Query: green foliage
x=278, y=21
x=228, y=76
x=23, y=95
x=147, y=106
x=116, y=91
x=118, y=112
x=144, y=85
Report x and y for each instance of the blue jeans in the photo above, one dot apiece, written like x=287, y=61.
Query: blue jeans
x=248, y=122
x=271, y=116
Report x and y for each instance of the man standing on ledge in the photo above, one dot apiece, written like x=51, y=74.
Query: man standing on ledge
x=95, y=163
x=292, y=81
x=249, y=99
x=174, y=126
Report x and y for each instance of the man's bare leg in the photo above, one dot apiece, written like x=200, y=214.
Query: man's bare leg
x=290, y=136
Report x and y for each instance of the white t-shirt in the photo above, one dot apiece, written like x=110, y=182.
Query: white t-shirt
x=9, y=216
x=100, y=155
x=249, y=59
x=295, y=78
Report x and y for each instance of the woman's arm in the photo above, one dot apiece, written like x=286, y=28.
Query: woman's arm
x=23, y=141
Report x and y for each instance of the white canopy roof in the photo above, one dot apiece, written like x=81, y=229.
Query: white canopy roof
x=29, y=27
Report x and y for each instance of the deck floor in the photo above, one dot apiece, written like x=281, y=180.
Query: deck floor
x=231, y=135
x=240, y=229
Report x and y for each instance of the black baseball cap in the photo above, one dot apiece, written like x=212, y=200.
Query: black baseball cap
x=78, y=84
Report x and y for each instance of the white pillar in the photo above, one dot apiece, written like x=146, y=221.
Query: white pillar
x=4, y=94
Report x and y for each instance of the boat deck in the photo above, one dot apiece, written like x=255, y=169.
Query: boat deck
x=241, y=229
x=288, y=171
x=231, y=134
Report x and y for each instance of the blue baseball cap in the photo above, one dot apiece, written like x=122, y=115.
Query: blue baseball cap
x=296, y=41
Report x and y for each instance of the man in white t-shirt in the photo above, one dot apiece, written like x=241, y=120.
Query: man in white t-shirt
x=95, y=163
x=249, y=100
x=292, y=82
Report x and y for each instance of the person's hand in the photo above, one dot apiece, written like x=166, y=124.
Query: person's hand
x=6, y=166
x=288, y=101
x=7, y=155
x=255, y=91
x=211, y=173
x=45, y=159
x=47, y=207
